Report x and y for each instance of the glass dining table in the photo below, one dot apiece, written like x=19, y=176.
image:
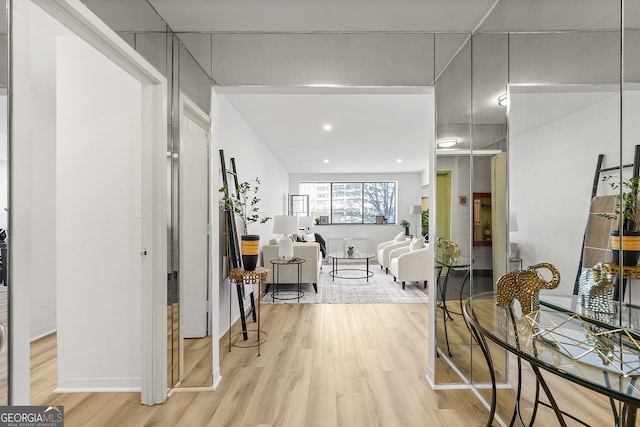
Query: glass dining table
x=596, y=351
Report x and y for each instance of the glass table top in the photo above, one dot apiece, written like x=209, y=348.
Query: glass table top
x=461, y=262
x=603, y=357
x=342, y=255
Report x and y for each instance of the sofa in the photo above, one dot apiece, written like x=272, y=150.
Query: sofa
x=309, y=251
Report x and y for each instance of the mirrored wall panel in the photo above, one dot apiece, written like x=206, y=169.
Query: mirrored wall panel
x=552, y=135
x=4, y=206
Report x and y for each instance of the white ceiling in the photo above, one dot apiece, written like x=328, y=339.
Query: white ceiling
x=322, y=16
x=372, y=130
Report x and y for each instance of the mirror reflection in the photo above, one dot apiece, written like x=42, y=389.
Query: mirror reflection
x=558, y=83
x=4, y=221
x=193, y=210
x=453, y=201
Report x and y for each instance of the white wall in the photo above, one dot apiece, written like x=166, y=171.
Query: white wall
x=43, y=194
x=552, y=167
x=98, y=222
x=409, y=193
x=234, y=135
x=194, y=220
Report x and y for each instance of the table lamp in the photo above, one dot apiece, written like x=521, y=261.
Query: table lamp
x=417, y=210
x=285, y=225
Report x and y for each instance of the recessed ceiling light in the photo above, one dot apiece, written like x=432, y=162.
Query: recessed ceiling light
x=327, y=127
x=399, y=161
x=326, y=160
x=447, y=142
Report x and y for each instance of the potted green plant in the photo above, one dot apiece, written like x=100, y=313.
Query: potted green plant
x=425, y=224
x=627, y=211
x=405, y=224
x=243, y=202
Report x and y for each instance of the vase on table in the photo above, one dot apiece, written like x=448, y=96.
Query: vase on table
x=346, y=244
x=250, y=249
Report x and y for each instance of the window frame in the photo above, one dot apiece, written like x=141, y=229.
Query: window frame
x=362, y=200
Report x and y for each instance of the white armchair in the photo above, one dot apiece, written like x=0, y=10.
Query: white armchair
x=411, y=266
x=384, y=249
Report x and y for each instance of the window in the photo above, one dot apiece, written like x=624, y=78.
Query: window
x=351, y=202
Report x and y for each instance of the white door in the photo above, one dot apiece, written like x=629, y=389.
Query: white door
x=194, y=214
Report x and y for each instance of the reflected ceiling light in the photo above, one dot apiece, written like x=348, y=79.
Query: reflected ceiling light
x=326, y=160
x=327, y=127
x=447, y=142
x=503, y=100
x=399, y=161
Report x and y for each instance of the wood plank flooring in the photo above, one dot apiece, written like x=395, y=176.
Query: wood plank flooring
x=323, y=365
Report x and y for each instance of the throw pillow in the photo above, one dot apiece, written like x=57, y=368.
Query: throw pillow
x=416, y=243
x=309, y=237
x=399, y=237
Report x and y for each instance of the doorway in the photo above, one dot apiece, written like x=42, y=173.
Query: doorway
x=97, y=128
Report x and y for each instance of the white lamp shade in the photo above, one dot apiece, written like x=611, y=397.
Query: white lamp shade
x=285, y=224
x=305, y=222
x=415, y=209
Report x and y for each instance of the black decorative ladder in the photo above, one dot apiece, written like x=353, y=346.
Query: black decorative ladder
x=231, y=243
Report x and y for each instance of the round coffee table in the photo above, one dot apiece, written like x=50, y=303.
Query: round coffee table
x=339, y=273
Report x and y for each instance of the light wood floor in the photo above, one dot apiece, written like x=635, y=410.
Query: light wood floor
x=323, y=365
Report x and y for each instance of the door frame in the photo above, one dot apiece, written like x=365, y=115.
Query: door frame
x=81, y=21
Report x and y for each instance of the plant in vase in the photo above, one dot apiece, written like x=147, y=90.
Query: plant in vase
x=350, y=251
x=244, y=203
x=405, y=224
x=627, y=211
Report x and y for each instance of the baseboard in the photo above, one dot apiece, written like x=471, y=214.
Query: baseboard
x=43, y=332
x=99, y=385
x=476, y=273
x=483, y=273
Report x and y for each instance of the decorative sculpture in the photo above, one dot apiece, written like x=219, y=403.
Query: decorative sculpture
x=525, y=286
x=595, y=289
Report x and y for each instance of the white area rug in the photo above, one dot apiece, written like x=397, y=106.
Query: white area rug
x=379, y=289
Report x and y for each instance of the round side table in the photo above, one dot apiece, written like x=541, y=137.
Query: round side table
x=277, y=264
x=241, y=277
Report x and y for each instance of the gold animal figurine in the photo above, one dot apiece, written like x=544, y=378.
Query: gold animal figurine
x=595, y=290
x=525, y=285
x=447, y=251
